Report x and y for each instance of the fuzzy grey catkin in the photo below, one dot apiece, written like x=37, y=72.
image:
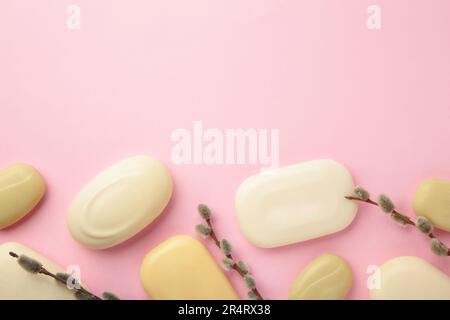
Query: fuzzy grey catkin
x=227, y=263
x=361, y=193
x=204, y=211
x=243, y=266
x=70, y=281
x=438, y=247
x=82, y=295
x=386, y=203
x=250, y=282
x=63, y=276
x=203, y=230
x=109, y=296
x=424, y=225
x=399, y=219
x=252, y=296
x=226, y=247
x=29, y=264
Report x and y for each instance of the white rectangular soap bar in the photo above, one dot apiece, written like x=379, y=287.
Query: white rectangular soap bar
x=295, y=203
x=18, y=284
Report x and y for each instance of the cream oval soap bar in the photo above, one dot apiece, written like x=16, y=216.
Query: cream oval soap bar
x=432, y=200
x=181, y=268
x=21, y=189
x=295, y=203
x=410, y=278
x=327, y=277
x=18, y=284
x=120, y=202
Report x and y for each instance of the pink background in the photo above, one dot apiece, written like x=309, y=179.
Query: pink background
x=74, y=102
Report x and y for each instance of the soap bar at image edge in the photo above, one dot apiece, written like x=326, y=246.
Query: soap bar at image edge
x=432, y=200
x=328, y=277
x=409, y=278
x=119, y=202
x=18, y=284
x=295, y=203
x=21, y=189
x=181, y=268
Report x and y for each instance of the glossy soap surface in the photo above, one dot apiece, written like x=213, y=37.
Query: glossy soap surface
x=16, y=283
x=295, y=203
x=432, y=200
x=327, y=277
x=21, y=189
x=411, y=278
x=182, y=268
x=120, y=202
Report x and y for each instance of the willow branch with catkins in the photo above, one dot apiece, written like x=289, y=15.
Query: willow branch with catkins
x=228, y=262
x=387, y=206
x=33, y=266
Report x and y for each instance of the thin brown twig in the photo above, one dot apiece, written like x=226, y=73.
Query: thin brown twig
x=235, y=266
x=44, y=271
x=405, y=218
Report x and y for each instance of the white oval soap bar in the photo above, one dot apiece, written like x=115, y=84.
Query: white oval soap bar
x=295, y=203
x=18, y=284
x=410, y=278
x=120, y=202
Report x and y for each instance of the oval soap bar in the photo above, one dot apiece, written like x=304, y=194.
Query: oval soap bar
x=18, y=284
x=432, y=200
x=295, y=203
x=327, y=277
x=21, y=189
x=410, y=278
x=181, y=268
x=120, y=202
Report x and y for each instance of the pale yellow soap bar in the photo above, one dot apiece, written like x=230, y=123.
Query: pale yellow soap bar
x=21, y=189
x=295, y=203
x=119, y=202
x=410, y=278
x=432, y=200
x=16, y=283
x=181, y=268
x=327, y=277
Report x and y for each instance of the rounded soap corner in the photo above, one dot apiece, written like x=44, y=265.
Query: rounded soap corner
x=168, y=173
x=182, y=237
x=257, y=242
x=140, y=156
x=24, y=165
x=239, y=190
x=10, y=244
x=340, y=165
x=355, y=207
x=142, y=269
x=179, y=239
x=99, y=247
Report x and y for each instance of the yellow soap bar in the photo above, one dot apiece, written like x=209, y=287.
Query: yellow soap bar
x=432, y=200
x=21, y=189
x=327, y=277
x=181, y=268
